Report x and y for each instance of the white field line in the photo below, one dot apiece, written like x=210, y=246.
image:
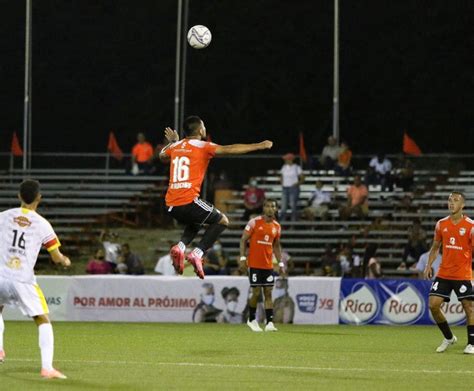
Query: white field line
x=251, y=366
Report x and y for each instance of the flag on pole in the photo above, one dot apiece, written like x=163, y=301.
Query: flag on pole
x=114, y=148
x=303, y=154
x=15, y=147
x=409, y=146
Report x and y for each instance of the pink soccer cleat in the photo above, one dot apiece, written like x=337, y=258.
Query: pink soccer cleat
x=52, y=374
x=196, y=261
x=177, y=256
x=2, y=356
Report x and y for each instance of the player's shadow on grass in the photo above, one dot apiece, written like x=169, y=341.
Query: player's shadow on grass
x=24, y=374
x=317, y=332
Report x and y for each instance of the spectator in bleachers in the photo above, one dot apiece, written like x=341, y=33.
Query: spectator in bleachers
x=379, y=172
x=142, y=156
x=253, y=200
x=345, y=261
x=371, y=265
x=132, y=261
x=343, y=166
x=405, y=175
x=111, y=246
x=357, y=200
x=330, y=267
x=291, y=179
x=330, y=154
x=318, y=204
x=215, y=261
x=423, y=261
x=98, y=264
x=415, y=246
x=164, y=266
x=356, y=270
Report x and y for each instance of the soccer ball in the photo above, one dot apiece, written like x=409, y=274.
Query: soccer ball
x=199, y=37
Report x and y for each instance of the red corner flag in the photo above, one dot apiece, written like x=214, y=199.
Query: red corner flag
x=114, y=148
x=16, y=148
x=409, y=146
x=303, y=155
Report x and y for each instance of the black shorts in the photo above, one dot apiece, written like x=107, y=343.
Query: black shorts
x=197, y=212
x=261, y=277
x=442, y=288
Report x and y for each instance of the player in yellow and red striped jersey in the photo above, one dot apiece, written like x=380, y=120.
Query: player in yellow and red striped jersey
x=22, y=234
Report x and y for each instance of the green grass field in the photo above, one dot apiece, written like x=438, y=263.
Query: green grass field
x=131, y=356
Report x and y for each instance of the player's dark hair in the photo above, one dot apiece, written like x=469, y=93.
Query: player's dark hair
x=268, y=200
x=370, y=251
x=191, y=125
x=29, y=190
x=459, y=193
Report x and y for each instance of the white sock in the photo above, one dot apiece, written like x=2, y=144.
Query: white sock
x=46, y=344
x=198, y=252
x=2, y=329
x=182, y=246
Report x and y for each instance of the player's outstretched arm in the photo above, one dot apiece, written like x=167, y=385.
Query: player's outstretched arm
x=59, y=258
x=236, y=149
x=171, y=136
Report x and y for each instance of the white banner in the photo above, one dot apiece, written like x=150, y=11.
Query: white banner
x=179, y=299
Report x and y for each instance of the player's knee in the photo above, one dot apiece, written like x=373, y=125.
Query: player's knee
x=41, y=319
x=224, y=220
x=434, y=306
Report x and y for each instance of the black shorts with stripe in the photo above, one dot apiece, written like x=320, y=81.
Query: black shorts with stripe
x=261, y=277
x=197, y=212
x=443, y=288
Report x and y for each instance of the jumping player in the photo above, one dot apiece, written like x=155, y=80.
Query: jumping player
x=22, y=233
x=189, y=159
x=456, y=234
x=263, y=235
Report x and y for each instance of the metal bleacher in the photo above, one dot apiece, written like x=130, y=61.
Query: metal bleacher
x=79, y=202
x=305, y=241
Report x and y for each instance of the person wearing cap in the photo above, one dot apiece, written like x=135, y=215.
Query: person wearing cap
x=291, y=179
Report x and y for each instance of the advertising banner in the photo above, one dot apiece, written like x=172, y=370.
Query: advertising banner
x=222, y=299
x=395, y=302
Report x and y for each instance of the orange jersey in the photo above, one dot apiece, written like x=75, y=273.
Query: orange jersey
x=457, y=241
x=262, y=236
x=189, y=161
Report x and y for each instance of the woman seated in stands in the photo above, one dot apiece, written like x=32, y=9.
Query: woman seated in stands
x=98, y=264
x=371, y=266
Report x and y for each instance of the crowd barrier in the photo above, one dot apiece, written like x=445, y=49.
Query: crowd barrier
x=299, y=300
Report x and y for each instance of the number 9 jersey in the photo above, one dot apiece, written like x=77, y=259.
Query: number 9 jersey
x=22, y=233
x=189, y=161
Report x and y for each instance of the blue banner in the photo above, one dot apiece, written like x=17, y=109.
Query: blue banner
x=393, y=302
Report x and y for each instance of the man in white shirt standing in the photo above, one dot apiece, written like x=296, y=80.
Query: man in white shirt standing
x=22, y=233
x=291, y=179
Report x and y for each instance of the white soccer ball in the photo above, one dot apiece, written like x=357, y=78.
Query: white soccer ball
x=199, y=37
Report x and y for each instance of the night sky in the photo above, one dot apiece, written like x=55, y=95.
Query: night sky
x=109, y=65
